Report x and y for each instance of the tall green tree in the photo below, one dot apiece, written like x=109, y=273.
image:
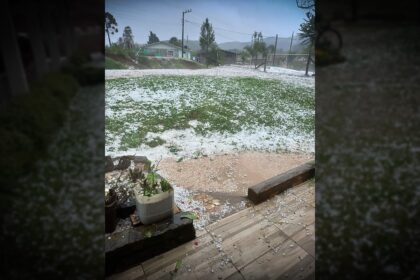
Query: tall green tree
x=110, y=26
x=244, y=55
x=175, y=41
x=207, y=39
x=128, y=38
x=153, y=38
x=308, y=35
x=258, y=47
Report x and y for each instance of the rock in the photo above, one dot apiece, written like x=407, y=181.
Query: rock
x=123, y=163
x=109, y=165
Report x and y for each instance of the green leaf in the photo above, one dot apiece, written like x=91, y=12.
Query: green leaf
x=178, y=264
x=148, y=234
x=189, y=215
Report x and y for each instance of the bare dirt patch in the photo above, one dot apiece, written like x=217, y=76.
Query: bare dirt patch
x=216, y=186
x=232, y=173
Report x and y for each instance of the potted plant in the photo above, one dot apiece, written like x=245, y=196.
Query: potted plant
x=111, y=211
x=154, y=196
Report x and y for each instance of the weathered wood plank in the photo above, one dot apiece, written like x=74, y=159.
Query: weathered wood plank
x=304, y=269
x=227, y=222
x=295, y=222
x=261, y=243
x=249, y=240
x=275, y=263
x=170, y=257
x=236, y=276
x=280, y=183
x=205, y=262
x=305, y=238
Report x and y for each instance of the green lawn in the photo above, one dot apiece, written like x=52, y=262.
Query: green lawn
x=140, y=112
x=112, y=64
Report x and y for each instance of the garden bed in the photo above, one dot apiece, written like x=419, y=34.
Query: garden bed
x=128, y=241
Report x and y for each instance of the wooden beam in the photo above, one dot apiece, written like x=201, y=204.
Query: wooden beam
x=280, y=183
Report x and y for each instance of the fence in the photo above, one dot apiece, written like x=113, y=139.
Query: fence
x=291, y=61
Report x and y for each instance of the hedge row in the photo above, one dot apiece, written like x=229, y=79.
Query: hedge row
x=28, y=123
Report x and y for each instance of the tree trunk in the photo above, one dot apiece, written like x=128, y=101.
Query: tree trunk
x=109, y=38
x=308, y=61
x=265, y=63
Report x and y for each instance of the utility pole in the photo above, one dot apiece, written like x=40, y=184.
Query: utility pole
x=252, y=45
x=290, y=50
x=275, y=49
x=183, y=13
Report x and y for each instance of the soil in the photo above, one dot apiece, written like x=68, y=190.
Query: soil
x=212, y=187
x=229, y=174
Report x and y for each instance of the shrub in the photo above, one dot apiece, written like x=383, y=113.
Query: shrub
x=85, y=75
x=79, y=58
x=62, y=86
x=91, y=76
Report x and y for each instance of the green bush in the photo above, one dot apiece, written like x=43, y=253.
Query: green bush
x=79, y=58
x=142, y=60
x=91, y=76
x=62, y=86
x=39, y=113
x=85, y=75
x=112, y=64
x=120, y=51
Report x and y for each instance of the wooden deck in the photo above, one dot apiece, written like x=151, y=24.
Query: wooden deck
x=272, y=240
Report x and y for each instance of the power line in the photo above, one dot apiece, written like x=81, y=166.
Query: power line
x=232, y=31
x=131, y=16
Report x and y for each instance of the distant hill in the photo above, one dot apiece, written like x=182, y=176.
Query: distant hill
x=282, y=44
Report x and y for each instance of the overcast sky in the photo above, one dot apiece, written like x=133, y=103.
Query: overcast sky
x=232, y=20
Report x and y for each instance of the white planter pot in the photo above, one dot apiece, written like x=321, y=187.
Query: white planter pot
x=154, y=208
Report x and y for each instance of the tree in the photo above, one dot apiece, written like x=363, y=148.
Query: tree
x=305, y=4
x=308, y=35
x=110, y=25
x=128, y=38
x=175, y=41
x=153, y=38
x=207, y=39
x=120, y=42
x=244, y=55
x=258, y=47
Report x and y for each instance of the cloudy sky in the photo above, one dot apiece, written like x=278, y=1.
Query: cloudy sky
x=232, y=20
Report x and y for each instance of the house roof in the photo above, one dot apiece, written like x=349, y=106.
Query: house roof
x=165, y=43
